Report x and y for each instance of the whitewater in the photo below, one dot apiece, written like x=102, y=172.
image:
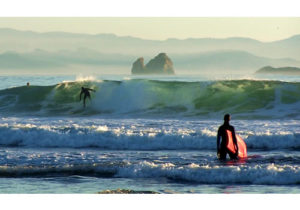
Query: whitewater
x=147, y=134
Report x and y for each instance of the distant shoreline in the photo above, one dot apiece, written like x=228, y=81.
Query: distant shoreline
x=281, y=70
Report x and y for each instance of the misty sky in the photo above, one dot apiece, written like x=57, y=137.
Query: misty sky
x=263, y=29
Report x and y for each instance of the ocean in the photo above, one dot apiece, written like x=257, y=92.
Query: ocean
x=153, y=134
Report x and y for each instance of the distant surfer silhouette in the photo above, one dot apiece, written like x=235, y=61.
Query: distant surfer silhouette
x=222, y=148
x=86, y=93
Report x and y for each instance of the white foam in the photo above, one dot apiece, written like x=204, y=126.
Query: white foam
x=81, y=78
x=259, y=174
x=265, y=174
x=142, y=134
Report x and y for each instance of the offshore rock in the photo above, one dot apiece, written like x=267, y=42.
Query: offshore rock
x=161, y=64
x=138, y=66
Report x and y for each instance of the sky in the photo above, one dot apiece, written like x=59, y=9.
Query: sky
x=160, y=28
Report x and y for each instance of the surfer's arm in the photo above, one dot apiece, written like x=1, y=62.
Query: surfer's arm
x=91, y=89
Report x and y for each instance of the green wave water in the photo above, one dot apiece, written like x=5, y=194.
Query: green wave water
x=245, y=98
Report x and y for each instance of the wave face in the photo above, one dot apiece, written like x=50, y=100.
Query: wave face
x=246, y=99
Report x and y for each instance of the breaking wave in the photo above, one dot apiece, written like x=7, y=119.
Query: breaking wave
x=247, y=99
x=266, y=174
x=134, y=138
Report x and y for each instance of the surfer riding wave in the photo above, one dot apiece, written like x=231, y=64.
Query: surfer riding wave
x=86, y=92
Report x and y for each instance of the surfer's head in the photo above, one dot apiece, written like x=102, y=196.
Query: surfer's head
x=226, y=117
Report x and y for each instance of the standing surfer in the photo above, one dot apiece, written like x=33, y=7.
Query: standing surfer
x=86, y=92
x=222, y=149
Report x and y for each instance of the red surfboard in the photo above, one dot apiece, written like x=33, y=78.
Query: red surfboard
x=241, y=144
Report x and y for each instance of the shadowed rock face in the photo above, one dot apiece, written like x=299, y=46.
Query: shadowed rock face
x=161, y=64
x=138, y=66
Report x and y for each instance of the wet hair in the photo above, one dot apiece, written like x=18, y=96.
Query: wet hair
x=227, y=117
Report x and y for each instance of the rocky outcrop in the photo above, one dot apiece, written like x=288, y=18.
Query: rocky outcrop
x=138, y=66
x=161, y=64
x=282, y=70
x=126, y=191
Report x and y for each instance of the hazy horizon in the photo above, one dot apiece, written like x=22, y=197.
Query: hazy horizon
x=162, y=28
x=112, y=44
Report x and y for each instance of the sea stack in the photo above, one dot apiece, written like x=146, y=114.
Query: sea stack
x=161, y=64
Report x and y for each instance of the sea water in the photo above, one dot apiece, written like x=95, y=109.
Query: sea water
x=147, y=134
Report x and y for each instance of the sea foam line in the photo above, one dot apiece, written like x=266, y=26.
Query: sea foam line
x=268, y=174
x=133, y=138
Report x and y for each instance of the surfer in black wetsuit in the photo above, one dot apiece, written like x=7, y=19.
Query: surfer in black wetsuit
x=222, y=149
x=86, y=92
